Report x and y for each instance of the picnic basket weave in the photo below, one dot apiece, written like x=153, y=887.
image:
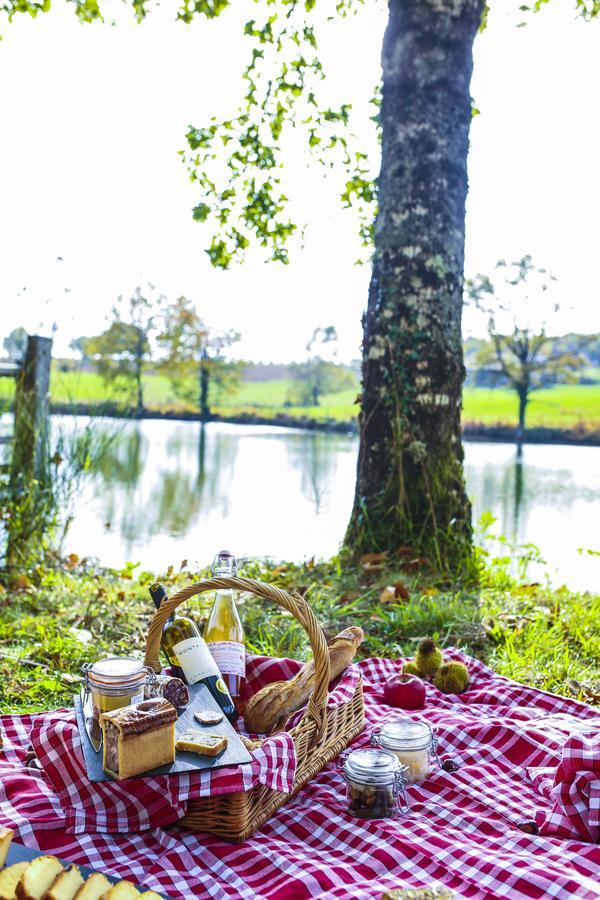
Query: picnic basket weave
x=320, y=735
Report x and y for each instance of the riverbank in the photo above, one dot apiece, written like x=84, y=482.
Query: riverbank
x=54, y=619
x=562, y=414
x=580, y=435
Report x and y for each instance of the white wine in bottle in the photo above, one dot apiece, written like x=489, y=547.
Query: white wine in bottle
x=189, y=657
x=224, y=632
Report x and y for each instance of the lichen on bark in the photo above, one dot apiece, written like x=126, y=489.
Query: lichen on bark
x=410, y=486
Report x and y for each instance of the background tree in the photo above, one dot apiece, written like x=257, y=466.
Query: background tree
x=317, y=376
x=121, y=352
x=518, y=305
x=194, y=356
x=16, y=344
x=410, y=485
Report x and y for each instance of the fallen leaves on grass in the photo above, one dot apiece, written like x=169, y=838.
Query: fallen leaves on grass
x=394, y=592
x=373, y=562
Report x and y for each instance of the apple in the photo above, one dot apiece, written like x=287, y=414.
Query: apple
x=404, y=691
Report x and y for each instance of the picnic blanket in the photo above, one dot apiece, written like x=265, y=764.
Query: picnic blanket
x=461, y=832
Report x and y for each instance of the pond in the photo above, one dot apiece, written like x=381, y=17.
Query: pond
x=165, y=491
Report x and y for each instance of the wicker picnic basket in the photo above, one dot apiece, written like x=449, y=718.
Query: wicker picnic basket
x=321, y=734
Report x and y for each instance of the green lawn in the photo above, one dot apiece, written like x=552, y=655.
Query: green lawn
x=565, y=406
x=53, y=621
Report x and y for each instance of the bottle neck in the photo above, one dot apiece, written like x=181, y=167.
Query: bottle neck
x=225, y=599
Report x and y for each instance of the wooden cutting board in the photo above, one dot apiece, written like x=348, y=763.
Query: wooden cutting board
x=235, y=753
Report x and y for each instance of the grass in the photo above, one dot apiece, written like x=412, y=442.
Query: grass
x=55, y=619
x=563, y=406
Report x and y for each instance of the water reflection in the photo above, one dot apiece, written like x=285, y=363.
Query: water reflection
x=162, y=491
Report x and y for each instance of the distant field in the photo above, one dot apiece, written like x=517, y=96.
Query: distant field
x=565, y=406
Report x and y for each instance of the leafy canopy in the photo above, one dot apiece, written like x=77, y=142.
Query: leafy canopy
x=191, y=350
x=236, y=162
x=317, y=375
x=519, y=308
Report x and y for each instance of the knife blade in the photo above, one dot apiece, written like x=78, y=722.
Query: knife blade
x=93, y=730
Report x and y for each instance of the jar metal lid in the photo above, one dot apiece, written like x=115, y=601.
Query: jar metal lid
x=116, y=674
x=371, y=766
x=405, y=734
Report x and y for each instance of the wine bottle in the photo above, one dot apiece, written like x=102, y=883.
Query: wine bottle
x=189, y=657
x=224, y=632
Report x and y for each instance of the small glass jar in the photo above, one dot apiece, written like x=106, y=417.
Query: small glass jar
x=116, y=681
x=376, y=783
x=413, y=743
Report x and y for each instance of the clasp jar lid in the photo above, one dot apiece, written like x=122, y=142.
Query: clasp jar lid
x=116, y=673
x=370, y=766
x=405, y=734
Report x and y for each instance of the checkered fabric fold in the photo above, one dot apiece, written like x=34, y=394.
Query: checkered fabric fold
x=573, y=788
x=461, y=832
x=139, y=804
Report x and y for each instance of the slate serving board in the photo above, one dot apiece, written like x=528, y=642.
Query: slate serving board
x=235, y=754
x=19, y=853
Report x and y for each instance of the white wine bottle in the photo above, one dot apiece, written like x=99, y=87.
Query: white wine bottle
x=189, y=657
x=224, y=632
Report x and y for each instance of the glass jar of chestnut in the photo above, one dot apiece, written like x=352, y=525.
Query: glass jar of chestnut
x=375, y=784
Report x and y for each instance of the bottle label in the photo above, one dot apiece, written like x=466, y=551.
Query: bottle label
x=137, y=698
x=230, y=657
x=195, y=659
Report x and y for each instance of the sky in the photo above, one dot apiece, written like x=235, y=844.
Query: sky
x=92, y=118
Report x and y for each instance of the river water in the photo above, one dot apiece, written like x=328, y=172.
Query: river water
x=165, y=491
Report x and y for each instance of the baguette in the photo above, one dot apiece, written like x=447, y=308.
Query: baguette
x=270, y=708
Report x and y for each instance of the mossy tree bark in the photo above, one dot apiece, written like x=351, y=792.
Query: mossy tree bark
x=410, y=488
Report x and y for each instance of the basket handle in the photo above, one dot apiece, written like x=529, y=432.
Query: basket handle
x=294, y=603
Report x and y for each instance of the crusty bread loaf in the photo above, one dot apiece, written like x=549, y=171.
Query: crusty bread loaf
x=9, y=879
x=6, y=836
x=38, y=877
x=95, y=887
x=123, y=890
x=270, y=708
x=66, y=885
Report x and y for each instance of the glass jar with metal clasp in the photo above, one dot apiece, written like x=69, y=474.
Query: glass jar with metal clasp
x=375, y=784
x=114, y=682
x=413, y=743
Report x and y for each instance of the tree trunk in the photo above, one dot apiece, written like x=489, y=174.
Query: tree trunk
x=410, y=487
x=30, y=480
x=139, y=361
x=204, y=381
x=523, y=394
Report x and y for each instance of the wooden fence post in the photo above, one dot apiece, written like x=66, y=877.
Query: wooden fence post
x=30, y=437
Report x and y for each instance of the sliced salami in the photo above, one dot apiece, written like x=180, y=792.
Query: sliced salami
x=172, y=689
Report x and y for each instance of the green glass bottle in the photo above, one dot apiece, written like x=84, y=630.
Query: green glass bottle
x=189, y=657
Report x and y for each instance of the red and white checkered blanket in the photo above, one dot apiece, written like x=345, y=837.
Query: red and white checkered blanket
x=574, y=789
x=461, y=831
x=139, y=804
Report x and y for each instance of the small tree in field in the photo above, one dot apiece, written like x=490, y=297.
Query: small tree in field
x=121, y=352
x=16, y=343
x=317, y=376
x=518, y=305
x=195, y=356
